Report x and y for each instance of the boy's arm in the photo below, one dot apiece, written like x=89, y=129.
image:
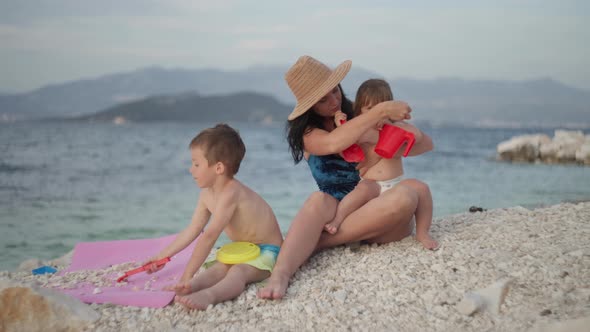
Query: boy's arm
x=189, y=234
x=423, y=142
x=224, y=211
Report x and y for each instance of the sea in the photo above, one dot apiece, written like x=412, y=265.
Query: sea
x=62, y=183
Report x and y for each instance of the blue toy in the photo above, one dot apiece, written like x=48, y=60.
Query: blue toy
x=44, y=269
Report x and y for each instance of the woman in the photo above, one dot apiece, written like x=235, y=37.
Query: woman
x=313, y=135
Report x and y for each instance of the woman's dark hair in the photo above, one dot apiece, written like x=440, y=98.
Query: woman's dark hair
x=303, y=124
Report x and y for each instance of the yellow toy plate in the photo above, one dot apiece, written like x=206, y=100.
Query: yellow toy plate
x=237, y=252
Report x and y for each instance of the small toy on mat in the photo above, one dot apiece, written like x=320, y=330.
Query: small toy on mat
x=143, y=268
x=44, y=269
x=237, y=252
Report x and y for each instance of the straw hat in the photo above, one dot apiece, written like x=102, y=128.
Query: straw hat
x=310, y=80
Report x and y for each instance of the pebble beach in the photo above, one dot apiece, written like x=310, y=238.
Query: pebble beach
x=543, y=256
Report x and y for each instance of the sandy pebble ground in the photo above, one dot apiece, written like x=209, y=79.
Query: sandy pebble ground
x=402, y=287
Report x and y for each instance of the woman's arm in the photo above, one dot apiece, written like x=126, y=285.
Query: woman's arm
x=322, y=142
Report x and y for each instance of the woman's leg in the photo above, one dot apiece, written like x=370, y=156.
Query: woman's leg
x=300, y=242
x=384, y=219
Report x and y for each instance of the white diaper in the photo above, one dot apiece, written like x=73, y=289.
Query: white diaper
x=388, y=184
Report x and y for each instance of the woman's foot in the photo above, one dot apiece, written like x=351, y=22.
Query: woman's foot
x=427, y=241
x=276, y=287
x=197, y=300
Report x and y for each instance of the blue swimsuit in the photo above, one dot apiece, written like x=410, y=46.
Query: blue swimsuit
x=334, y=175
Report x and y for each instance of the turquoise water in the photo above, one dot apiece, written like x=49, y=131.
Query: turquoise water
x=63, y=183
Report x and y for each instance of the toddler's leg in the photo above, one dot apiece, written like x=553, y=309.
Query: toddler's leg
x=362, y=193
x=228, y=288
x=423, y=213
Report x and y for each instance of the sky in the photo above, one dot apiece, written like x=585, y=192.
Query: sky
x=53, y=41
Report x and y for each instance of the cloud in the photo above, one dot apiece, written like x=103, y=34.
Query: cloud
x=262, y=29
x=426, y=39
x=257, y=45
x=199, y=6
x=36, y=38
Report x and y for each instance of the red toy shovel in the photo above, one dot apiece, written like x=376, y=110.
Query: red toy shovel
x=143, y=268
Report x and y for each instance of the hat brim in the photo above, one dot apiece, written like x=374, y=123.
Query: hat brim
x=335, y=78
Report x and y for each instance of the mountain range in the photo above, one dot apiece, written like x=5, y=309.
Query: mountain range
x=240, y=106
x=260, y=92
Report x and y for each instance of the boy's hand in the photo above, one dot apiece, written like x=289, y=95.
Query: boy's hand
x=153, y=267
x=181, y=288
x=339, y=117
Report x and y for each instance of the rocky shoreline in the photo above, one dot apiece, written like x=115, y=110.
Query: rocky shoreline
x=566, y=147
x=539, y=258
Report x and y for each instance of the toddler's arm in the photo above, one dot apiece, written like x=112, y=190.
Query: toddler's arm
x=423, y=142
x=339, y=118
x=371, y=158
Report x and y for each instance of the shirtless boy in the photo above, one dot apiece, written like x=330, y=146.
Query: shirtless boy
x=224, y=205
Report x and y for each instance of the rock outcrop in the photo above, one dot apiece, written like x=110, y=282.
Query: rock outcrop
x=30, y=308
x=565, y=147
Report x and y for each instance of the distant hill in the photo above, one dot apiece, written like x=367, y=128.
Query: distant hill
x=534, y=102
x=244, y=107
x=543, y=102
x=91, y=95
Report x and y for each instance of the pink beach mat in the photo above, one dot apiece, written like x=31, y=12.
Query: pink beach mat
x=99, y=255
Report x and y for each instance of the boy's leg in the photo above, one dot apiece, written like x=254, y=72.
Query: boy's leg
x=423, y=214
x=204, y=279
x=365, y=191
x=228, y=288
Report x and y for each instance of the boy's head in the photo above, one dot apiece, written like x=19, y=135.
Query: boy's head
x=371, y=93
x=221, y=144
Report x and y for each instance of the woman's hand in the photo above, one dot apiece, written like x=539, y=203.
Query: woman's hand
x=339, y=118
x=395, y=110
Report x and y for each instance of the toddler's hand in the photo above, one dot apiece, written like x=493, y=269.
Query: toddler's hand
x=339, y=117
x=362, y=167
x=397, y=110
